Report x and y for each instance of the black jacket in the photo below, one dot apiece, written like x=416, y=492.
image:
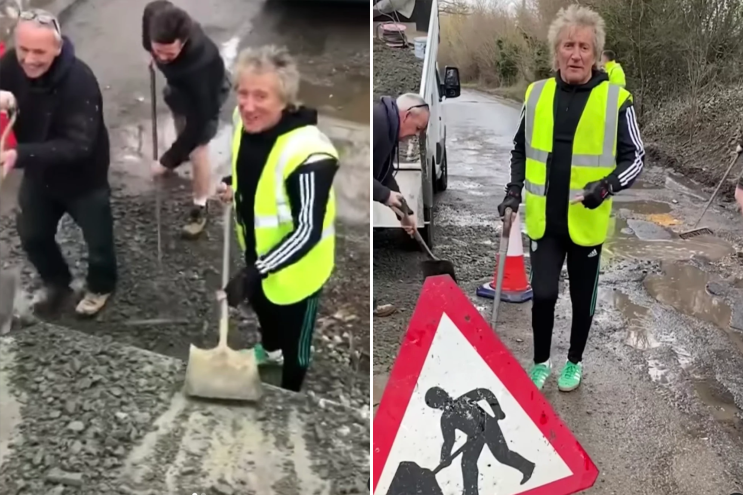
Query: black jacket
x=307, y=188
x=199, y=85
x=386, y=127
x=570, y=101
x=62, y=138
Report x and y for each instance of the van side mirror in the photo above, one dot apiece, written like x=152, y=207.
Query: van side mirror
x=452, y=87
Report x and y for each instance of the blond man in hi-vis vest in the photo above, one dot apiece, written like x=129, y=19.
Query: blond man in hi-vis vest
x=282, y=186
x=577, y=145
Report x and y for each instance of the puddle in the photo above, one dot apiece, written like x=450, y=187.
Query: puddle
x=133, y=147
x=645, y=207
x=635, y=316
x=351, y=101
x=683, y=286
x=643, y=240
x=719, y=400
x=679, y=183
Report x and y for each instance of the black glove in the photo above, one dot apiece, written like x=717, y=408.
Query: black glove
x=242, y=286
x=512, y=200
x=596, y=192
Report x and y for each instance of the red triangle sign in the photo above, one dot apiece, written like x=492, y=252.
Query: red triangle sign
x=459, y=416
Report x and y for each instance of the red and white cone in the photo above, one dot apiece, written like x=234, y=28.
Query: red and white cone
x=516, y=288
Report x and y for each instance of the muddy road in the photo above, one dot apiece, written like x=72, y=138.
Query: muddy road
x=660, y=410
x=331, y=45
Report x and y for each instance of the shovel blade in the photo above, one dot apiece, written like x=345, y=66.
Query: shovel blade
x=432, y=268
x=223, y=374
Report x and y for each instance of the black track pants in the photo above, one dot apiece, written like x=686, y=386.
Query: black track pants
x=290, y=329
x=547, y=257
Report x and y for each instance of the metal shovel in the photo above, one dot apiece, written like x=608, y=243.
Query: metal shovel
x=695, y=232
x=223, y=373
x=433, y=266
x=505, y=236
x=158, y=182
x=10, y=280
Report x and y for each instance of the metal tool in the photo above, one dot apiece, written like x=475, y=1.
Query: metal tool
x=155, y=157
x=505, y=236
x=10, y=280
x=223, y=373
x=433, y=266
x=695, y=232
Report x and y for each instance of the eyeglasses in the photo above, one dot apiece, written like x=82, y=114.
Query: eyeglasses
x=42, y=18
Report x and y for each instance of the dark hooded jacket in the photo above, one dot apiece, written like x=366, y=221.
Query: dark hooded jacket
x=570, y=101
x=198, y=86
x=63, y=142
x=386, y=128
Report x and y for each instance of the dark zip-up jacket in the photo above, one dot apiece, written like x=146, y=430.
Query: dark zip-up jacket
x=307, y=188
x=63, y=143
x=386, y=128
x=570, y=101
x=199, y=85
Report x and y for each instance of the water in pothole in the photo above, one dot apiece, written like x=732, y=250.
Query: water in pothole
x=643, y=240
x=719, y=400
x=684, y=287
x=635, y=316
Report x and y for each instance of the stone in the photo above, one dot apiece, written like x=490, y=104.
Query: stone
x=58, y=476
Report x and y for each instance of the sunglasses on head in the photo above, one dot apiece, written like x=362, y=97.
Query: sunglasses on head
x=41, y=18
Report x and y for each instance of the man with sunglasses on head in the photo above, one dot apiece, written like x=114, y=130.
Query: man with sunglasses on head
x=63, y=150
x=395, y=120
x=197, y=86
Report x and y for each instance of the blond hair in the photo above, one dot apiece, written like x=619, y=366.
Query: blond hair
x=576, y=16
x=271, y=58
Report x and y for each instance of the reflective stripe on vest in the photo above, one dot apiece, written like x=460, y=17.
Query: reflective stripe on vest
x=272, y=213
x=593, y=157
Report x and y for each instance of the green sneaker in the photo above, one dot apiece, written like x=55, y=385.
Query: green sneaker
x=268, y=358
x=539, y=373
x=570, y=377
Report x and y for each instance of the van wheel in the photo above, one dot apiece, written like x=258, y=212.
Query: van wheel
x=427, y=232
x=443, y=182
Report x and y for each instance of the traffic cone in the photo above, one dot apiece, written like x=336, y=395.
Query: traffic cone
x=516, y=288
x=11, y=142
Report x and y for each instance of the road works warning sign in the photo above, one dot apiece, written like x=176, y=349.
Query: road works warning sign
x=460, y=416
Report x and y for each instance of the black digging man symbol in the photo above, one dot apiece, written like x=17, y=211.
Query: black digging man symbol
x=463, y=414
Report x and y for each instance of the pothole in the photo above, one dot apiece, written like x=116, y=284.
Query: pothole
x=636, y=317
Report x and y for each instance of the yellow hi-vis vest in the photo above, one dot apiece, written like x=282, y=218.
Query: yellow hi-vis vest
x=594, y=153
x=273, y=216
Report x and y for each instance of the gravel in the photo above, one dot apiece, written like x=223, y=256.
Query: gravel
x=396, y=70
x=182, y=292
x=84, y=404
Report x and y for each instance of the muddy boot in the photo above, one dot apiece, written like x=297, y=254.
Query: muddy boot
x=196, y=222
x=91, y=304
x=51, y=301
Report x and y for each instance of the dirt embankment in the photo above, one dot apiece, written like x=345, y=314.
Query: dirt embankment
x=396, y=70
x=698, y=146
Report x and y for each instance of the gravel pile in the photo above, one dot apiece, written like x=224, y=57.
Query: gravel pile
x=182, y=291
x=396, y=70
x=86, y=402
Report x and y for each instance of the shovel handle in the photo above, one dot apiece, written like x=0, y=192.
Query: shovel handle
x=416, y=234
x=224, y=317
x=505, y=236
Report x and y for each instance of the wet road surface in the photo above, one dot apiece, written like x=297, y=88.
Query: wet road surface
x=661, y=407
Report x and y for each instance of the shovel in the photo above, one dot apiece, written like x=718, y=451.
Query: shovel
x=158, y=200
x=223, y=373
x=505, y=236
x=695, y=232
x=411, y=479
x=433, y=266
x=9, y=279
